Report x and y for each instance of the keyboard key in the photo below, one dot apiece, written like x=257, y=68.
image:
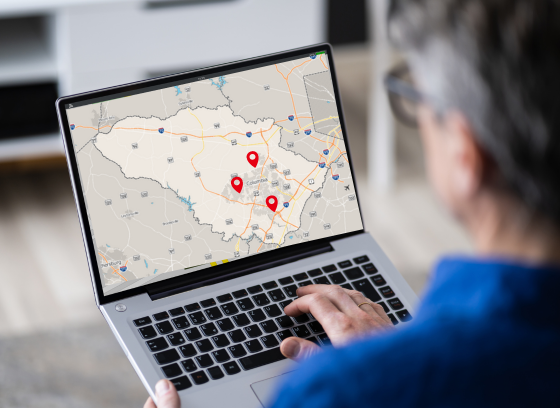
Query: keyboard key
x=367, y=289
x=393, y=319
x=272, y=310
x=395, y=304
x=344, y=264
x=283, y=335
x=404, y=316
x=225, y=324
x=167, y=356
x=270, y=285
x=387, y=292
x=172, y=370
x=231, y=368
x=315, y=272
x=240, y=293
x=261, y=299
x=305, y=283
x=237, y=351
x=285, y=303
x=253, y=331
x=353, y=273
x=378, y=280
x=257, y=315
x=178, y=311
x=193, y=307
x=286, y=281
x=304, y=318
x=324, y=339
x=241, y=320
x=204, y=345
x=180, y=323
x=253, y=346
x=161, y=316
x=192, y=334
x=142, y=321
x=181, y=383
x=269, y=341
x=157, y=344
x=316, y=327
x=347, y=286
x=301, y=276
x=314, y=340
x=285, y=322
x=164, y=327
x=225, y=298
x=213, y=313
x=269, y=326
x=221, y=356
x=291, y=291
x=147, y=332
x=337, y=278
x=369, y=268
x=361, y=259
x=276, y=295
x=220, y=340
x=209, y=329
x=261, y=359
x=323, y=280
x=208, y=303
x=216, y=373
x=301, y=331
x=329, y=268
x=204, y=360
x=187, y=350
x=237, y=336
x=197, y=318
x=200, y=378
x=188, y=365
x=229, y=309
x=255, y=289
x=385, y=307
x=176, y=339
x=245, y=304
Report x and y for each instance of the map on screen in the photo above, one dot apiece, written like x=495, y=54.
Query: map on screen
x=203, y=173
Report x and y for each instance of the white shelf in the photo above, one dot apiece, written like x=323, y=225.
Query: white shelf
x=31, y=147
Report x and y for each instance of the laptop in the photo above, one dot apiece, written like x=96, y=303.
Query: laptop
x=206, y=198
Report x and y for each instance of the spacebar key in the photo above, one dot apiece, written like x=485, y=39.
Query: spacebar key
x=261, y=359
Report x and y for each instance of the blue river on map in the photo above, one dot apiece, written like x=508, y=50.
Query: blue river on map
x=221, y=82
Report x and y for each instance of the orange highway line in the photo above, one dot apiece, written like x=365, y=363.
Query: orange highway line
x=114, y=270
x=321, y=58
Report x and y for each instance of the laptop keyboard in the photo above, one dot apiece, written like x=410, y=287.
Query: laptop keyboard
x=213, y=338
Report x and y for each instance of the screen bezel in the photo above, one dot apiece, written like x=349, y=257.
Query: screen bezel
x=162, y=81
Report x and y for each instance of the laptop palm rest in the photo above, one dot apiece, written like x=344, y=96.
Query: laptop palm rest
x=266, y=389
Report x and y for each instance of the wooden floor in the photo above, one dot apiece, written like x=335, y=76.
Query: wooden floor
x=44, y=280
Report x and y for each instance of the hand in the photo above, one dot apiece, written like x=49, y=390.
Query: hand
x=337, y=310
x=166, y=394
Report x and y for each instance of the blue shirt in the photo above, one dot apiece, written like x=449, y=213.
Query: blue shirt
x=487, y=334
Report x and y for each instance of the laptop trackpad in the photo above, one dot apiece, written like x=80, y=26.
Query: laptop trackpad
x=266, y=389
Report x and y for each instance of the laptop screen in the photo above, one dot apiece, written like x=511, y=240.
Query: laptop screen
x=208, y=171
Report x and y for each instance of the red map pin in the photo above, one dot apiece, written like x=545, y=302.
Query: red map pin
x=272, y=203
x=253, y=158
x=237, y=184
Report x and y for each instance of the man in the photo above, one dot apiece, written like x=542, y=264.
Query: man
x=487, y=332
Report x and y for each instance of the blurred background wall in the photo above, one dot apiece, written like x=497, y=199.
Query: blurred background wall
x=55, y=349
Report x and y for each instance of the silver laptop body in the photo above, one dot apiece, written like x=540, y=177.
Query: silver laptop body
x=205, y=199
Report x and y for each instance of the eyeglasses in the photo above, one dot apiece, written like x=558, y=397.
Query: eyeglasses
x=404, y=98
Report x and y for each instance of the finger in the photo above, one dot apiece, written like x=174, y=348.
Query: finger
x=336, y=294
x=150, y=403
x=298, y=349
x=372, y=308
x=166, y=394
x=317, y=304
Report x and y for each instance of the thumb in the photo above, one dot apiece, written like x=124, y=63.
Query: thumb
x=166, y=394
x=298, y=349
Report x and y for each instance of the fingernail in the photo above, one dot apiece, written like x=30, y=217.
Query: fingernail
x=162, y=387
x=292, y=348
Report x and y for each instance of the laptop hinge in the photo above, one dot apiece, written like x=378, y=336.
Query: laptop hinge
x=231, y=271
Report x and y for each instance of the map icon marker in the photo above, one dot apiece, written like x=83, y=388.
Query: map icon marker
x=253, y=158
x=272, y=203
x=237, y=184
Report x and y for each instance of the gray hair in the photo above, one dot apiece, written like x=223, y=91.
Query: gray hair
x=498, y=62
